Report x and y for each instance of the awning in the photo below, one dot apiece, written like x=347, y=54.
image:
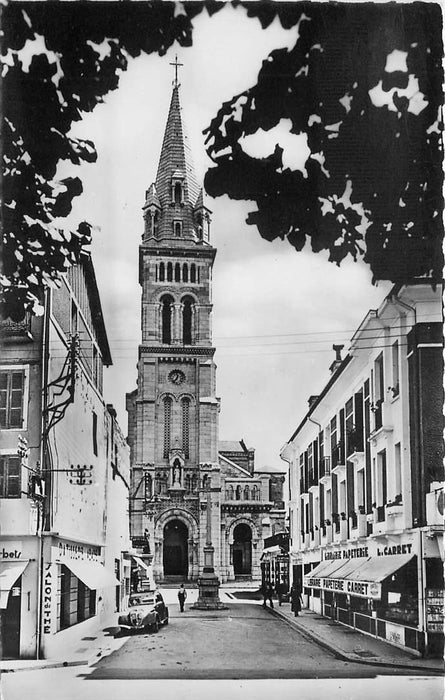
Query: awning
x=92, y=573
x=10, y=571
x=271, y=552
x=378, y=568
x=326, y=568
x=140, y=562
x=359, y=577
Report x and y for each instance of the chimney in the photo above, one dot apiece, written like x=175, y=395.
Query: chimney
x=312, y=399
x=338, y=359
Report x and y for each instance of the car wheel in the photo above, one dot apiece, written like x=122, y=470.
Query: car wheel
x=155, y=626
x=166, y=621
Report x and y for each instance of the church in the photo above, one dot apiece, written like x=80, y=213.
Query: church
x=187, y=487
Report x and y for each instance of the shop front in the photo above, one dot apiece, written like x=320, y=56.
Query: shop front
x=77, y=590
x=275, y=569
x=19, y=596
x=376, y=587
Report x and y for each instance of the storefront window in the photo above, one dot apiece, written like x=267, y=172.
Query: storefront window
x=399, y=596
x=75, y=601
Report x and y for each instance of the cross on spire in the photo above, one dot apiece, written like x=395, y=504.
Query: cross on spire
x=176, y=65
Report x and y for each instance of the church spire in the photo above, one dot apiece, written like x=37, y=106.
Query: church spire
x=176, y=214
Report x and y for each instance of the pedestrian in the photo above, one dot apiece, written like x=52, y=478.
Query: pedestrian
x=182, y=595
x=267, y=594
x=280, y=590
x=135, y=580
x=296, y=600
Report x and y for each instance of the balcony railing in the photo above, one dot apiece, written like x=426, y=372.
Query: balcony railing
x=325, y=466
x=338, y=454
x=376, y=408
x=355, y=441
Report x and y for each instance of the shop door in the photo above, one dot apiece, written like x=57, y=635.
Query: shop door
x=11, y=623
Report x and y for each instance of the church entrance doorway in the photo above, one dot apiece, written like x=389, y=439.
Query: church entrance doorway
x=242, y=550
x=176, y=549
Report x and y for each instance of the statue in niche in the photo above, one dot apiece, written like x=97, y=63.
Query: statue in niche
x=176, y=473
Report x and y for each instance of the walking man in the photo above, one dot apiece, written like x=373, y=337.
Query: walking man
x=267, y=594
x=182, y=595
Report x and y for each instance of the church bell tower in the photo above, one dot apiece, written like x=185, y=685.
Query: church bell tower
x=173, y=413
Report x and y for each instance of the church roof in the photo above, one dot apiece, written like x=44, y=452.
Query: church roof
x=176, y=158
x=230, y=446
x=151, y=196
x=201, y=201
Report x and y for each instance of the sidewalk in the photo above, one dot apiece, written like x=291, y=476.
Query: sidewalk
x=350, y=645
x=87, y=650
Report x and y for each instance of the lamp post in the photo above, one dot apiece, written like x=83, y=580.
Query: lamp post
x=208, y=583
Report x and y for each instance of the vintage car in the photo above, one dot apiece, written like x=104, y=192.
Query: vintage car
x=146, y=610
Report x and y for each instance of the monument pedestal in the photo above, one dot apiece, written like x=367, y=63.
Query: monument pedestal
x=208, y=583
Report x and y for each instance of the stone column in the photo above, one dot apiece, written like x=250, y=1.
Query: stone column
x=177, y=324
x=157, y=323
x=195, y=324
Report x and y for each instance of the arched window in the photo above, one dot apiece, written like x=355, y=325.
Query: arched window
x=185, y=427
x=155, y=223
x=169, y=272
x=187, y=316
x=166, y=315
x=194, y=482
x=161, y=272
x=193, y=272
x=185, y=273
x=246, y=493
x=255, y=493
x=167, y=424
x=197, y=275
x=177, y=228
x=230, y=493
x=238, y=493
x=178, y=193
x=205, y=481
x=177, y=272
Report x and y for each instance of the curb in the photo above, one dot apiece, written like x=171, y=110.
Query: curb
x=44, y=666
x=340, y=654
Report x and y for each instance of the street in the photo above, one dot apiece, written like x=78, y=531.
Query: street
x=244, y=648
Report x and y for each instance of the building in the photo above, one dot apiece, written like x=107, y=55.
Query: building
x=181, y=474
x=64, y=475
x=366, y=478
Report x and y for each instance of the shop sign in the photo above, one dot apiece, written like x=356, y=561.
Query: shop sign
x=66, y=551
x=361, y=589
x=47, y=598
x=395, y=634
x=434, y=600
x=351, y=553
x=392, y=549
x=10, y=553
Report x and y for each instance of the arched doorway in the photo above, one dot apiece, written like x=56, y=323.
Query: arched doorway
x=242, y=550
x=176, y=548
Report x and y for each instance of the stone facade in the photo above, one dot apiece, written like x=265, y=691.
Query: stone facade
x=63, y=499
x=366, y=478
x=173, y=414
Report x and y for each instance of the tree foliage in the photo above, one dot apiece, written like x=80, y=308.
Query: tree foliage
x=387, y=159
x=374, y=187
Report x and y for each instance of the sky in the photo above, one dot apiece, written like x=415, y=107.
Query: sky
x=276, y=312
